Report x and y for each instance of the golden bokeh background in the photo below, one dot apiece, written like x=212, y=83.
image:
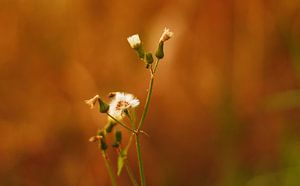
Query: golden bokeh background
x=225, y=109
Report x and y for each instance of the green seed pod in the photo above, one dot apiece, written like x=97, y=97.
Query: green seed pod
x=140, y=51
x=118, y=139
x=149, y=58
x=109, y=126
x=160, y=50
x=103, y=107
x=118, y=136
x=103, y=144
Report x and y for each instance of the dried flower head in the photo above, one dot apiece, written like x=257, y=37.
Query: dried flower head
x=166, y=35
x=95, y=138
x=91, y=102
x=134, y=41
x=122, y=101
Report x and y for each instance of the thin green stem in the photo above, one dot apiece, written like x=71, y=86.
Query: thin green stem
x=132, y=122
x=132, y=118
x=140, y=160
x=156, y=65
x=129, y=142
x=130, y=174
x=121, y=123
x=109, y=169
x=146, y=107
x=128, y=169
x=137, y=139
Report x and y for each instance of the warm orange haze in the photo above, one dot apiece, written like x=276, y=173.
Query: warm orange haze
x=225, y=109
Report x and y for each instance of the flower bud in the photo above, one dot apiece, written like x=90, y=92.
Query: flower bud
x=140, y=52
x=110, y=125
x=149, y=58
x=166, y=35
x=103, y=107
x=135, y=43
x=160, y=50
x=103, y=144
x=118, y=136
x=118, y=139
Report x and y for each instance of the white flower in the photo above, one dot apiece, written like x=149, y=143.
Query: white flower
x=122, y=101
x=166, y=35
x=91, y=102
x=134, y=41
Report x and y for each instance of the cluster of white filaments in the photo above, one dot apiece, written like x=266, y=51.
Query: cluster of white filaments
x=166, y=35
x=120, y=102
x=134, y=41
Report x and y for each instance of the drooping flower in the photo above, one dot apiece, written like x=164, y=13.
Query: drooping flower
x=166, y=35
x=134, y=41
x=91, y=102
x=122, y=101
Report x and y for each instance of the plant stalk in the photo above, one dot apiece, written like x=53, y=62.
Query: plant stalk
x=156, y=65
x=121, y=123
x=137, y=138
x=130, y=174
x=109, y=169
x=140, y=160
x=146, y=107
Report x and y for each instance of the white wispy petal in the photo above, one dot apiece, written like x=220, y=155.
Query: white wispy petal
x=166, y=35
x=134, y=40
x=121, y=102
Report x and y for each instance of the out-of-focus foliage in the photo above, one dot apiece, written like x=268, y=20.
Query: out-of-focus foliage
x=225, y=108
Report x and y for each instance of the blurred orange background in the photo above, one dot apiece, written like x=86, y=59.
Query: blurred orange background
x=225, y=109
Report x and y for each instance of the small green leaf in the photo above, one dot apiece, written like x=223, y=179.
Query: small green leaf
x=160, y=50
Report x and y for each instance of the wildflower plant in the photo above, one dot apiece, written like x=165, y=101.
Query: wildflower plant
x=122, y=105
